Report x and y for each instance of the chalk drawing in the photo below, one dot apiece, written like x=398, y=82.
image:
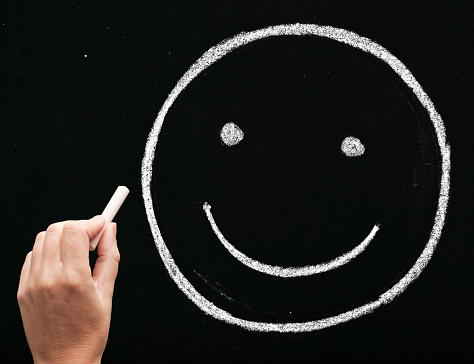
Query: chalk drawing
x=352, y=147
x=340, y=35
x=288, y=272
x=231, y=134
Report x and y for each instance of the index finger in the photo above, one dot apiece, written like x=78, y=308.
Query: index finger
x=75, y=240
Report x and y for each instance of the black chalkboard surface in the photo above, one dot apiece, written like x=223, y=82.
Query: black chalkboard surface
x=299, y=192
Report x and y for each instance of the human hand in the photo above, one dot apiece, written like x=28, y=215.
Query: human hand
x=66, y=310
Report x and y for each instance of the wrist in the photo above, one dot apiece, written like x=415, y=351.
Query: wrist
x=72, y=360
x=76, y=358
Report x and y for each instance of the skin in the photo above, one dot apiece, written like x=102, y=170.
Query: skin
x=64, y=306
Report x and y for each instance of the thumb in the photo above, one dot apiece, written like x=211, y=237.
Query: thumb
x=106, y=265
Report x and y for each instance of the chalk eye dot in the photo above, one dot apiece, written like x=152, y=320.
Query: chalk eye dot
x=231, y=134
x=352, y=147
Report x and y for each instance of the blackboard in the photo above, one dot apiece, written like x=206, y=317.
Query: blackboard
x=82, y=86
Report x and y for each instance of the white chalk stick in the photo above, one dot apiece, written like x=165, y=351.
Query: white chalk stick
x=110, y=211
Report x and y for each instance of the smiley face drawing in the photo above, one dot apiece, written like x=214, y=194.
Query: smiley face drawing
x=300, y=179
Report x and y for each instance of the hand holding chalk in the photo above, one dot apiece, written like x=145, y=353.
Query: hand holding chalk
x=110, y=211
x=65, y=309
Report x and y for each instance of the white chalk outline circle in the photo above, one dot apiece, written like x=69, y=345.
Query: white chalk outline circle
x=217, y=52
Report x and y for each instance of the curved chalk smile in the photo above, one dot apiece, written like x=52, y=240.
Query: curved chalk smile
x=288, y=272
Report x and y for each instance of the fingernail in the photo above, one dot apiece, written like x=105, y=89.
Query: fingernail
x=115, y=228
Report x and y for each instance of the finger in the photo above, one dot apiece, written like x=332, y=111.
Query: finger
x=25, y=271
x=52, y=244
x=106, y=265
x=37, y=251
x=75, y=240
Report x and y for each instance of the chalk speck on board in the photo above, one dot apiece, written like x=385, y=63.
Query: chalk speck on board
x=231, y=134
x=352, y=147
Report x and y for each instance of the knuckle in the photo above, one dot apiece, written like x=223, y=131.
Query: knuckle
x=73, y=283
x=24, y=294
x=20, y=296
x=116, y=256
x=54, y=227
x=40, y=235
x=28, y=256
x=47, y=285
x=73, y=227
